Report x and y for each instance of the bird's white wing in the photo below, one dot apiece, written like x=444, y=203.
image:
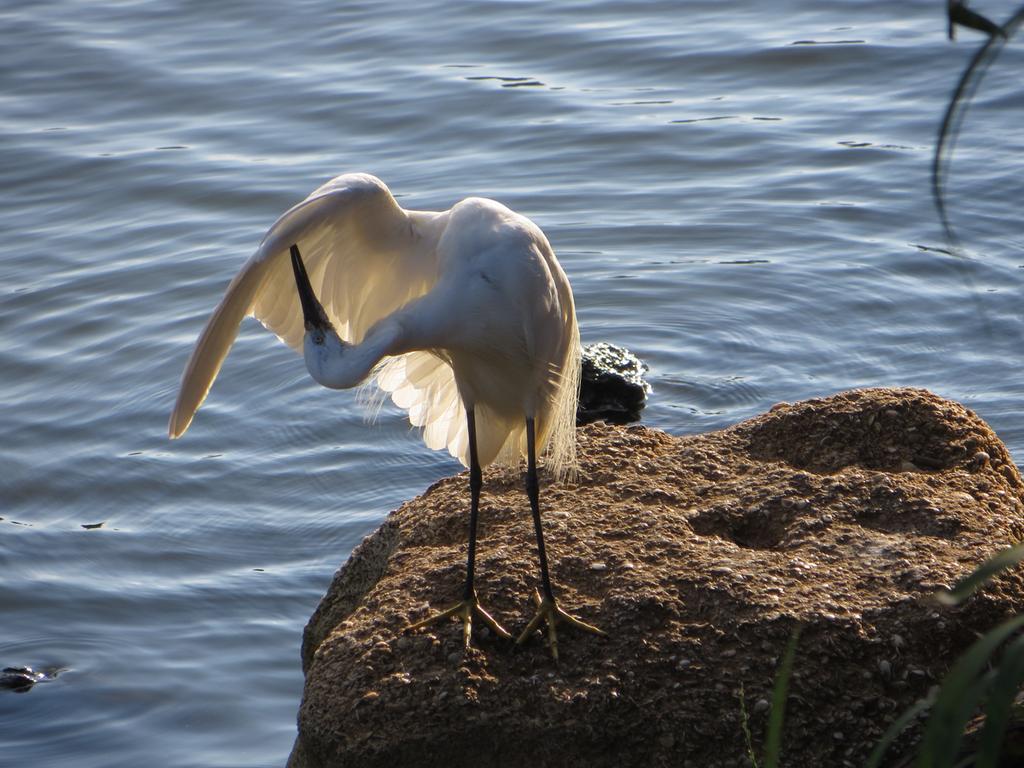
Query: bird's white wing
x=423, y=384
x=365, y=259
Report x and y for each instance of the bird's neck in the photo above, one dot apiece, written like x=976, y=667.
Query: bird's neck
x=338, y=365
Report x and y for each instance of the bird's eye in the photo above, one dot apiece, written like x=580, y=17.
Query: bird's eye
x=318, y=338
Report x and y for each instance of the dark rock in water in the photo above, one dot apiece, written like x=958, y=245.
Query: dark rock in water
x=20, y=679
x=612, y=387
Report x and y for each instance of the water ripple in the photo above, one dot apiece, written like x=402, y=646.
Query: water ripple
x=739, y=194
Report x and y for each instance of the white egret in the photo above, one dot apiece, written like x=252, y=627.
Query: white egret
x=464, y=316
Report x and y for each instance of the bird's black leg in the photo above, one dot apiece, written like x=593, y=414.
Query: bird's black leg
x=547, y=608
x=469, y=605
x=533, y=492
x=475, y=483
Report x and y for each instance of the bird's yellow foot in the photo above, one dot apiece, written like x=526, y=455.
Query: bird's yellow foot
x=549, y=612
x=464, y=610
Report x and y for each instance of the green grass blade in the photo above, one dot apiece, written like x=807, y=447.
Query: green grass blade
x=745, y=725
x=946, y=754
x=773, y=739
x=1007, y=682
x=981, y=575
x=959, y=696
x=894, y=730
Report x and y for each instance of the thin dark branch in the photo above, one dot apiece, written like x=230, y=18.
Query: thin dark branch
x=958, y=105
x=960, y=14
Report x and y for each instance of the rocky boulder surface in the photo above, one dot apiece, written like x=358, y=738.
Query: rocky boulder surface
x=699, y=555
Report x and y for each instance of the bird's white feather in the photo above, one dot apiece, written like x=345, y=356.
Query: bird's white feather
x=513, y=352
x=365, y=259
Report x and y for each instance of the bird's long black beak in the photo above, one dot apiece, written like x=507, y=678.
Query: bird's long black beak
x=314, y=316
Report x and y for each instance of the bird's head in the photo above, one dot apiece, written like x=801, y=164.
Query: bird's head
x=314, y=317
x=322, y=346
x=330, y=361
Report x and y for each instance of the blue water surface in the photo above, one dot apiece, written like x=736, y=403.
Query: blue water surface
x=739, y=193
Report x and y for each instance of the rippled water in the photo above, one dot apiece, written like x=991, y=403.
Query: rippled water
x=739, y=193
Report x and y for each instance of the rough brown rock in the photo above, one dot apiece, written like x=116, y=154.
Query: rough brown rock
x=699, y=555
